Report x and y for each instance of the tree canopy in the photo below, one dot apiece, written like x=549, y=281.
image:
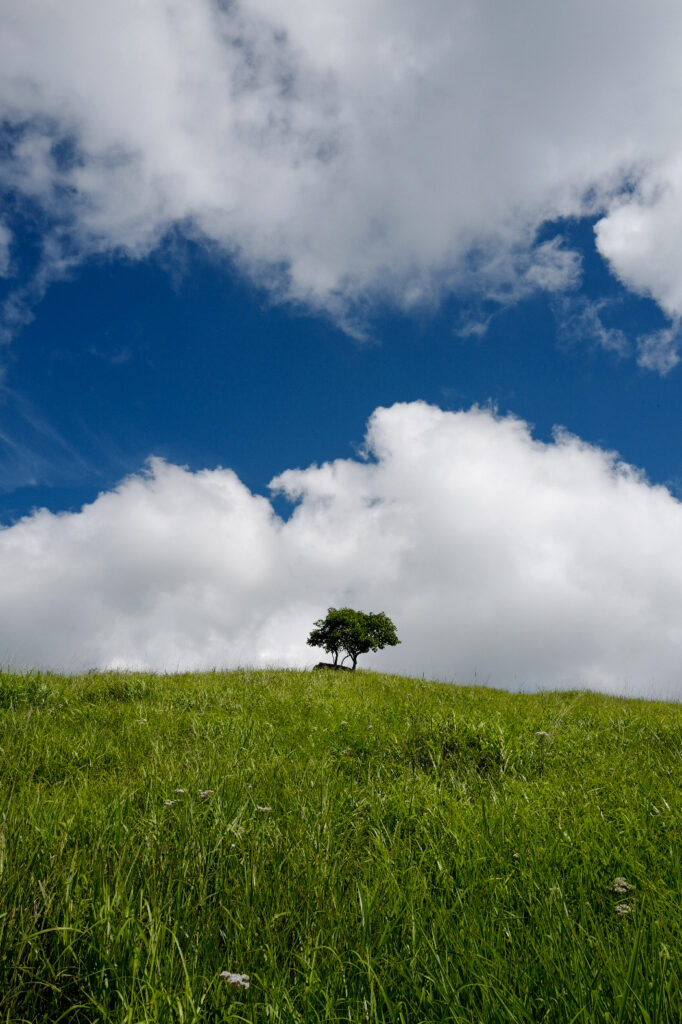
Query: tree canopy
x=356, y=633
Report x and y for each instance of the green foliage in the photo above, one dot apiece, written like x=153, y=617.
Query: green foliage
x=356, y=633
x=387, y=851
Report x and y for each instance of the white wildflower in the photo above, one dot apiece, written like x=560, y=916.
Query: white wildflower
x=180, y=792
x=206, y=793
x=620, y=886
x=238, y=980
x=623, y=908
x=263, y=810
x=169, y=803
x=344, y=722
x=542, y=735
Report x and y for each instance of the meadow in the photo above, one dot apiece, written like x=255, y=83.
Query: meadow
x=364, y=847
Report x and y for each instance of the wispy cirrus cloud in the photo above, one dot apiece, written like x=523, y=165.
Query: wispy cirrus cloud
x=5, y=244
x=581, y=321
x=660, y=350
x=33, y=451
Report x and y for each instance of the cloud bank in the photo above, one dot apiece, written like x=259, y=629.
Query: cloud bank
x=345, y=152
x=500, y=558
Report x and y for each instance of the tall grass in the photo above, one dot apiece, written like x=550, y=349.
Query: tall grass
x=374, y=849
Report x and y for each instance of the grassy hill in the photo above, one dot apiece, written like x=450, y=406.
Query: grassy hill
x=372, y=849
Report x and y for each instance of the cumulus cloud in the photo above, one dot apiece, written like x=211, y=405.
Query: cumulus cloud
x=640, y=236
x=346, y=151
x=499, y=557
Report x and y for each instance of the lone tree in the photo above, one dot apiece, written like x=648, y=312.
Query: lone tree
x=354, y=632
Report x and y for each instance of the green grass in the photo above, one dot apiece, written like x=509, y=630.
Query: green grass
x=424, y=855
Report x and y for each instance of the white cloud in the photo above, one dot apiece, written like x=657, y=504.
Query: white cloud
x=640, y=237
x=580, y=320
x=660, y=351
x=5, y=244
x=521, y=563
x=346, y=150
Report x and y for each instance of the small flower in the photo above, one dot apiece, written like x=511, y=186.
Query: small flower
x=263, y=810
x=347, y=751
x=141, y=721
x=180, y=792
x=620, y=886
x=204, y=794
x=516, y=856
x=623, y=909
x=238, y=980
x=169, y=803
x=344, y=722
x=542, y=735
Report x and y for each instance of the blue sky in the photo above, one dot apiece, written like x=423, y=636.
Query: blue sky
x=179, y=356
x=231, y=235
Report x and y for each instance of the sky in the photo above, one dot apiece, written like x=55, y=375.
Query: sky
x=358, y=303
